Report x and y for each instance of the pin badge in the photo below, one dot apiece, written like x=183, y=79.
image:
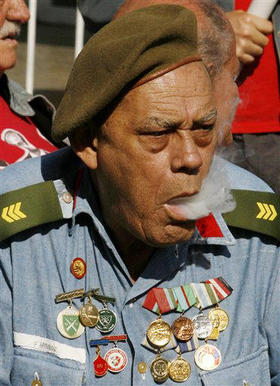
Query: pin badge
x=99, y=364
x=78, y=268
x=116, y=359
x=107, y=320
x=89, y=314
x=68, y=323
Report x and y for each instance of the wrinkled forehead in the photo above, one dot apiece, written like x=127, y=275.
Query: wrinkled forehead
x=170, y=94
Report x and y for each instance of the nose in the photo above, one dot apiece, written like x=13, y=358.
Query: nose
x=18, y=11
x=185, y=156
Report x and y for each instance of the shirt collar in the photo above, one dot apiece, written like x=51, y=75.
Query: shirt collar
x=20, y=99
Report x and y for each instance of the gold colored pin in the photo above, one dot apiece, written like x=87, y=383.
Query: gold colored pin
x=67, y=296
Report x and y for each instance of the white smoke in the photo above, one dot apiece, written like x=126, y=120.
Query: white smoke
x=214, y=195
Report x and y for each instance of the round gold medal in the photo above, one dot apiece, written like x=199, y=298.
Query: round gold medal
x=222, y=315
x=159, y=369
x=89, y=315
x=183, y=328
x=179, y=370
x=159, y=333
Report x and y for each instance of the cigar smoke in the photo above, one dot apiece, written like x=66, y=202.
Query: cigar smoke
x=214, y=195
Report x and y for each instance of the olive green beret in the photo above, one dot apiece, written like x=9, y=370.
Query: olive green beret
x=138, y=46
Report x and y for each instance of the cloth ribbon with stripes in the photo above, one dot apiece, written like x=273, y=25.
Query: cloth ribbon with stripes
x=211, y=292
x=180, y=299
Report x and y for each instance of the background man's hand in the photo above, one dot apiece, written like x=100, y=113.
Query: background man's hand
x=250, y=32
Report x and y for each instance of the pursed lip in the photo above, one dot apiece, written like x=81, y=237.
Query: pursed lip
x=183, y=195
x=172, y=206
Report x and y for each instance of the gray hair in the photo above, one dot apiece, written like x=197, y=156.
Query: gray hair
x=215, y=44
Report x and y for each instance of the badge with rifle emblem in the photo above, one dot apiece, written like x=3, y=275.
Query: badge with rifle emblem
x=68, y=323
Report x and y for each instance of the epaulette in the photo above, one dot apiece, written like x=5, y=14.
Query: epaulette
x=33, y=205
x=256, y=211
x=49, y=201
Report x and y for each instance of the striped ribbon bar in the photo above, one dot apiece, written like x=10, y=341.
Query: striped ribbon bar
x=160, y=300
x=185, y=297
x=98, y=342
x=190, y=345
x=205, y=294
x=115, y=338
x=221, y=287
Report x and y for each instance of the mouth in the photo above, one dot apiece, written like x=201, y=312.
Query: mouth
x=178, y=209
x=173, y=208
x=10, y=36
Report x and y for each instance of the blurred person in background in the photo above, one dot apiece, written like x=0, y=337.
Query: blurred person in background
x=24, y=119
x=256, y=126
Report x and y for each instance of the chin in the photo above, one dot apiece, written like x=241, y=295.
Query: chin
x=8, y=61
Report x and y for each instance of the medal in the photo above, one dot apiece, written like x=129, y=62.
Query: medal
x=68, y=323
x=183, y=328
x=100, y=366
x=89, y=314
x=159, y=333
x=107, y=320
x=223, y=317
x=116, y=359
x=215, y=331
x=179, y=369
x=207, y=357
x=202, y=326
x=159, y=369
x=36, y=381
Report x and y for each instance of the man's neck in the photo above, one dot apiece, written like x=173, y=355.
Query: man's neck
x=134, y=253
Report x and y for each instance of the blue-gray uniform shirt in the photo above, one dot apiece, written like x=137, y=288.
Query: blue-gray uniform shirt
x=35, y=267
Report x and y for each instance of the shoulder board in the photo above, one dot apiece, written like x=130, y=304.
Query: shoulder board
x=29, y=207
x=40, y=204
x=256, y=211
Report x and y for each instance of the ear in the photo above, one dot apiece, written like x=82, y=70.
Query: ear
x=85, y=145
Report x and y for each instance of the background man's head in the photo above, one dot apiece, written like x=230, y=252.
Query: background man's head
x=13, y=13
x=216, y=44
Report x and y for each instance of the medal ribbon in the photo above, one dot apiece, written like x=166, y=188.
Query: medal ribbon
x=205, y=294
x=160, y=300
x=221, y=287
x=201, y=295
x=185, y=297
x=190, y=345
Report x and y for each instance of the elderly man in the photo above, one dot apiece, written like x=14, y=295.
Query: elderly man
x=22, y=116
x=110, y=227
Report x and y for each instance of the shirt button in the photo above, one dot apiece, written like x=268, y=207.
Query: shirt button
x=142, y=367
x=67, y=197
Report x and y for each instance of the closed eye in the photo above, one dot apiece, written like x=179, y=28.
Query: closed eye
x=158, y=133
x=197, y=126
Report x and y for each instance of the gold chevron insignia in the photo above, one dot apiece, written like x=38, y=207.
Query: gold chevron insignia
x=12, y=213
x=267, y=211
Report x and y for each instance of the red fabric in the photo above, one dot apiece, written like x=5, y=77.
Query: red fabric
x=19, y=137
x=259, y=109
x=208, y=227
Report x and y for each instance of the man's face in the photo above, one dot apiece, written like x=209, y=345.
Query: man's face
x=12, y=14
x=157, y=145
